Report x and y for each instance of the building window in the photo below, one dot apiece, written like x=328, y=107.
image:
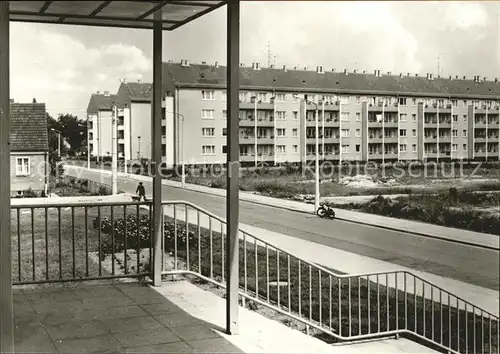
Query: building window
x=280, y=97
x=224, y=131
x=402, y=117
x=345, y=133
x=22, y=166
x=402, y=148
x=295, y=115
x=345, y=148
x=402, y=132
x=464, y=147
x=465, y=117
x=280, y=115
x=207, y=95
x=224, y=95
x=454, y=103
x=344, y=99
x=464, y=133
x=243, y=96
x=280, y=132
x=224, y=149
x=280, y=149
x=454, y=132
x=358, y=133
x=358, y=99
x=207, y=131
x=207, y=113
x=295, y=132
x=208, y=150
x=414, y=117
x=358, y=116
x=455, y=117
x=295, y=149
x=358, y=148
x=344, y=116
x=414, y=147
x=295, y=97
x=414, y=132
x=262, y=97
x=402, y=101
x=224, y=114
x=454, y=147
x=414, y=101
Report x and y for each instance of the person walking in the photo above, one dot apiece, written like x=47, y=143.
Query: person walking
x=141, y=191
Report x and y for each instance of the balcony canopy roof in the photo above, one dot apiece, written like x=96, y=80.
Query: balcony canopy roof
x=125, y=14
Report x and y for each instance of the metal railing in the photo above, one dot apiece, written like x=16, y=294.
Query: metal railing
x=54, y=243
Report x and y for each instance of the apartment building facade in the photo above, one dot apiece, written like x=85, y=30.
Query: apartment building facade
x=361, y=116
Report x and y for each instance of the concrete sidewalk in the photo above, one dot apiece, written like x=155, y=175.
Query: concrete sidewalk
x=413, y=227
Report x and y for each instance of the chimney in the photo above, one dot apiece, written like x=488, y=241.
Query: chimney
x=184, y=63
x=333, y=70
x=98, y=92
x=456, y=77
x=354, y=71
x=34, y=100
x=242, y=65
x=257, y=66
x=496, y=79
x=295, y=68
x=389, y=73
x=364, y=71
x=204, y=63
x=216, y=64
x=345, y=71
x=465, y=77
x=416, y=75
x=408, y=74
x=11, y=100
x=319, y=70
x=305, y=68
x=484, y=78
x=106, y=93
x=449, y=78
x=400, y=74
x=271, y=66
x=284, y=67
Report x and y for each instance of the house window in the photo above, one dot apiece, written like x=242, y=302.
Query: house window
x=358, y=148
x=454, y=147
x=295, y=115
x=358, y=116
x=402, y=101
x=455, y=117
x=207, y=131
x=344, y=116
x=280, y=149
x=414, y=147
x=345, y=133
x=414, y=101
x=414, y=132
x=454, y=103
x=295, y=149
x=358, y=99
x=243, y=96
x=224, y=131
x=280, y=97
x=224, y=114
x=464, y=147
x=344, y=99
x=358, y=133
x=402, y=148
x=208, y=150
x=464, y=133
x=207, y=113
x=295, y=132
x=295, y=97
x=280, y=115
x=224, y=149
x=224, y=95
x=345, y=148
x=454, y=132
x=414, y=117
x=22, y=166
x=465, y=117
x=402, y=117
x=402, y=132
x=280, y=132
x=262, y=97
x=207, y=95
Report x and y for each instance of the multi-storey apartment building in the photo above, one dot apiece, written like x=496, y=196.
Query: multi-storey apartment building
x=361, y=116
x=133, y=122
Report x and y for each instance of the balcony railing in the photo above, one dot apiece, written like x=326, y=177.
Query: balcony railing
x=94, y=240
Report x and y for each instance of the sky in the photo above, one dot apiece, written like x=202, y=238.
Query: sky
x=63, y=65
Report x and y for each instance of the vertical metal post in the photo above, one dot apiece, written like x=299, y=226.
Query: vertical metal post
x=156, y=146
x=6, y=299
x=232, y=197
x=114, y=148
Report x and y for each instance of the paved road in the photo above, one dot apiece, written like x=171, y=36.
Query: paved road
x=470, y=264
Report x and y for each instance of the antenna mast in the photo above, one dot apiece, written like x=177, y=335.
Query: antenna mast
x=268, y=54
x=438, y=65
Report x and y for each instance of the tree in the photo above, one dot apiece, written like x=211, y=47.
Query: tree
x=74, y=131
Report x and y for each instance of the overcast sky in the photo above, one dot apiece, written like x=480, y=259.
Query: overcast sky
x=62, y=65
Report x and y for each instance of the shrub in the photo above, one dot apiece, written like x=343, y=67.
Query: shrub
x=29, y=194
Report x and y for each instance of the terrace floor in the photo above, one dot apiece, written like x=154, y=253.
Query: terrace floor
x=180, y=317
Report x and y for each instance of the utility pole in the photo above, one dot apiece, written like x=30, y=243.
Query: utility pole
x=438, y=65
x=114, y=162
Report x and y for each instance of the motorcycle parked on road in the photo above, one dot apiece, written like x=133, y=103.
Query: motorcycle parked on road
x=324, y=211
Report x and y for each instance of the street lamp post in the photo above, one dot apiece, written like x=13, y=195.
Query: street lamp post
x=316, y=162
x=59, y=140
x=139, y=147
